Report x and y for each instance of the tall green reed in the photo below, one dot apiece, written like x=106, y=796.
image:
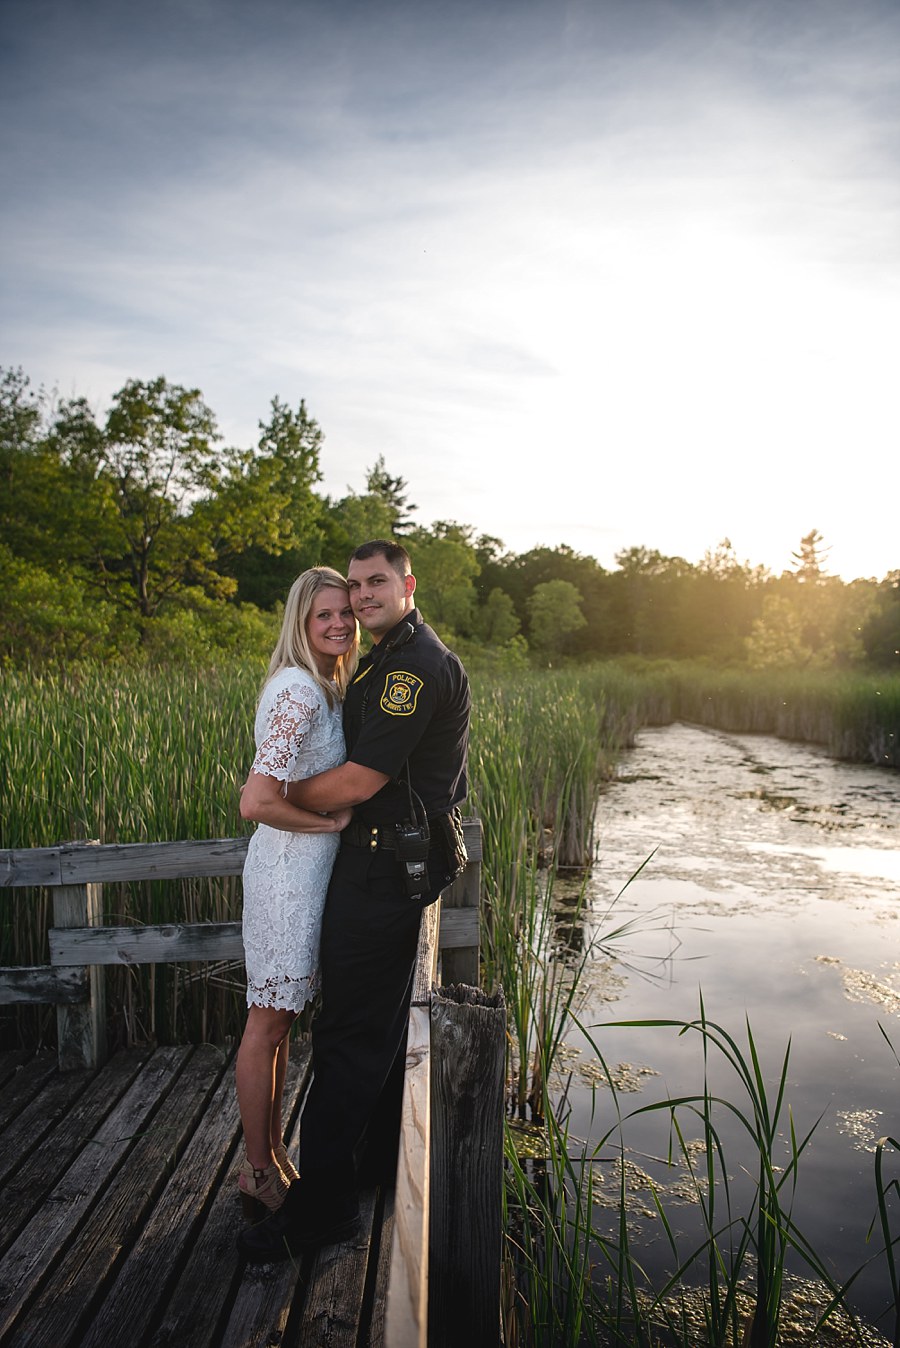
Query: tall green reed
x=581, y=1285
x=540, y=749
x=855, y=716
x=884, y=1190
x=130, y=755
x=141, y=754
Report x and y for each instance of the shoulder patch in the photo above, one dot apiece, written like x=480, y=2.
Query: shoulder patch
x=401, y=692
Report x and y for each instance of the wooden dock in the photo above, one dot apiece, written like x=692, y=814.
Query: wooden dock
x=119, y=1212
x=118, y=1188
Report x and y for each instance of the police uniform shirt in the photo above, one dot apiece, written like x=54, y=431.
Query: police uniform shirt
x=409, y=702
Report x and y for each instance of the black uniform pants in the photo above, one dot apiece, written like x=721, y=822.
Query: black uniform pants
x=370, y=931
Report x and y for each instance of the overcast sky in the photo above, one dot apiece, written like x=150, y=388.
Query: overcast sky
x=602, y=272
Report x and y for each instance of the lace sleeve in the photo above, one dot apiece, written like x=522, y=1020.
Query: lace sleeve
x=286, y=726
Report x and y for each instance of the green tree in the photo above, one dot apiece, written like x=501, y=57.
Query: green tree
x=776, y=638
x=445, y=566
x=812, y=623
x=715, y=605
x=354, y=519
x=881, y=630
x=267, y=520
x=160, y=461
x=496, y=622
x=810, y=558
x=394, y=492
x=50, y=616
x=50, y=504
x=519, y=575
x=36, y=500
x=381, y=511
x=648, y=589
x=554, y=609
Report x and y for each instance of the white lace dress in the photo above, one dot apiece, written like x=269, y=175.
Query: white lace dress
x=286, y=874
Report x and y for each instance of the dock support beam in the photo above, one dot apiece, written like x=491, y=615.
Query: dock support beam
x=468, y=1049
x=81, y=1027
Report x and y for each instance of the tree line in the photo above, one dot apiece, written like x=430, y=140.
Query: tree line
x=141, y=535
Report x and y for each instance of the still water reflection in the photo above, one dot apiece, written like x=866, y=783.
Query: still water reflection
x=772, y=888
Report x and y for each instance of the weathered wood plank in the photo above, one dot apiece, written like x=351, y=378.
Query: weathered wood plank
x=71, y=864
x=25, y=1085
x=334, y=1297
x=163, y=944
x=195, y=1308
x=426, y=955
x=468, y=1058
x=406, y=1315
x=260, y=1312
x=373, y=1336
x=31, y=1125
x=185, y=941
x=29, y=866
x=81, y=1027
x=460, y=960
x=10, y=1062
x=39, y=1248
x=41, y=983
x=72, y=1293
x=459, y=929
x=36, y=1177
x=153, y=1266
x=474, y=836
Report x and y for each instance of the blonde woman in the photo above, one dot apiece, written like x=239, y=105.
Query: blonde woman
x=289, y=860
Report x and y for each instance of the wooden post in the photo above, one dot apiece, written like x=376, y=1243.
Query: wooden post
x=460, y=963
x=81, y=1028
x=468, y=1050
x=406, y=1309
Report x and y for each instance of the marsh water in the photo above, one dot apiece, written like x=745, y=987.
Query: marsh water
x=769, y=878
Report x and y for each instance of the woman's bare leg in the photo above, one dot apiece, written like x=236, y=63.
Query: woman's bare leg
x=256, y=1078
x=281, y=1066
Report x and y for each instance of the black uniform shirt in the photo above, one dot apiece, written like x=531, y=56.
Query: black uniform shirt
x=409, y=700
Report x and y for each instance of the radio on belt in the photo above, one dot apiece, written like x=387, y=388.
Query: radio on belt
x=413, y=841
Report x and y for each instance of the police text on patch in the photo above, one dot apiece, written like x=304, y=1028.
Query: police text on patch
x=401, y=692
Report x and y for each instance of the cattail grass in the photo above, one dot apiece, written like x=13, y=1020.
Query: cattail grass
x=743, y=1246
x=128, y=755
x=137, y=754
x=855, y=715
x=150, y=755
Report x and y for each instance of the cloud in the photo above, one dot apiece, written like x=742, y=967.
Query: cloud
x=623, y=269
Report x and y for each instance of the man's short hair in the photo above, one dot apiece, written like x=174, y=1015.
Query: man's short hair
x=394, y=554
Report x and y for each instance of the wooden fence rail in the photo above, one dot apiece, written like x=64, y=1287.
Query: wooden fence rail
x=80, y=946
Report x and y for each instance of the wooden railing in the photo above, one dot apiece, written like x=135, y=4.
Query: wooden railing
x=80, y=946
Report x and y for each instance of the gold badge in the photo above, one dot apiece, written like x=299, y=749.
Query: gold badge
x=401, y=691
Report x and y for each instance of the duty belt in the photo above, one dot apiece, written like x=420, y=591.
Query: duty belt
x=373, y=836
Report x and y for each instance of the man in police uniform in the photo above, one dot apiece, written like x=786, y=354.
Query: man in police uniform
x=406, y=722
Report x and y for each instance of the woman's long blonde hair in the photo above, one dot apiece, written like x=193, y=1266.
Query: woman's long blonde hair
x=293, y=648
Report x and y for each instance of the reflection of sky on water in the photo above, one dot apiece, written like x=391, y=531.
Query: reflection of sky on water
x=877, y=863
x=773, y=890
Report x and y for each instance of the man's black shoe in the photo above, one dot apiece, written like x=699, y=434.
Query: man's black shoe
x=286, y=1234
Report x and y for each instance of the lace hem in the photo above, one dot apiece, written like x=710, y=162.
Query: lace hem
x=283, y=993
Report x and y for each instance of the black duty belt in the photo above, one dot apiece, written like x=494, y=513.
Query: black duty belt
x=373, y=836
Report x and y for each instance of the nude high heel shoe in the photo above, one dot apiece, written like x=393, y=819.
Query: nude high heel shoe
x=262, y=1191
x=288, y=1169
